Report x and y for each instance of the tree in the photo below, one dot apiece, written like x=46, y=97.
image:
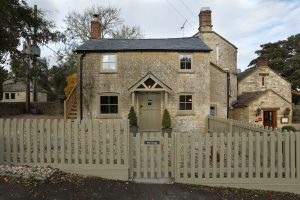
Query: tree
x=71, y=81
x=78, y=25
x=284, y=58
x=17, y=20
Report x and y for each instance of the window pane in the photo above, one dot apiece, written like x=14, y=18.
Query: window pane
x=189, y=98
x=12, y=95
x=104, y=100
x=113, y=100
x=112, y=58
x=213, y=111
x=182, y=106
x=188, y=65
x=188, y=106
x=113, y=108
x=182, y=98
x=105, y=58
x=104, y=109
x=182, y=65
x=6, y=95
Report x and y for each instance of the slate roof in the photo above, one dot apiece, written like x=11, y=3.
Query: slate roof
x=245, y=73
x=168, y=44
x=245, y=98
x=17, y=86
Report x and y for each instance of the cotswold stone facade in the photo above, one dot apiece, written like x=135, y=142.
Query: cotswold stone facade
x=165, y=66
x=264, y=97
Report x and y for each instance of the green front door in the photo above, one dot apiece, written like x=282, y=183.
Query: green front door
x=149, y=112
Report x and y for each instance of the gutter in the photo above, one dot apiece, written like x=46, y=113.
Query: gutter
x=80, y=85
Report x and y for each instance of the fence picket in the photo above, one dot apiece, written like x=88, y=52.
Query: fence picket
x=76, y=142
x=159, y=157
x=286, y=155
x=90, y=141
x=14, y=137
x=265, y=154
x=185, y=156
x=21, y=134
x=96, y=132
x=41, y=138
x=166, y=149
x=192, y=144
x=1, y=141
x=279, y=154
x=236, y=154
x=69, y=141
x=111, y=142
x=145, y=154
x=257, y=156
x=62, y=141
x=35, y=141
x=272, y=155
x=152, y=157
x=297, y=154
x=7, y=140
x=244, y=144
x=292, y=154
x=200, y=147
x=229, y=156
x=178, y=147
x=250, y=163
x=207, y=151
x=214, y=155
x=48, y=133
x=118, y=143
x=138, y=156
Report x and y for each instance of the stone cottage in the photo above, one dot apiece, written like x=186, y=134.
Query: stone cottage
x=264, y=97
x=191, y=77
x=15, y=91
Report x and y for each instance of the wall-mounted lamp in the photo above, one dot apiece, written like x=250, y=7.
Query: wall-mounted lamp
x=287, y=112
x=257, y=111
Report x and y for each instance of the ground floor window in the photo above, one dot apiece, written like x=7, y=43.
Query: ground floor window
x=12, y=96
x=185, y=102
x=109, y=104
x=6, y=95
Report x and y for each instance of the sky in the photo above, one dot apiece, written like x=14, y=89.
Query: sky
x=245, y=23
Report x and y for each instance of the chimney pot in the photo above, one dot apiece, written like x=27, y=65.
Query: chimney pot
x=262, y=61
x=205, y=19
x=95, y=27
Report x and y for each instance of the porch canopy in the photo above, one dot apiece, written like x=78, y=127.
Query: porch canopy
x=149, y=83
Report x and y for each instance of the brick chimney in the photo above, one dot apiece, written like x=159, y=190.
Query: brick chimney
x=205, y=19
x=95, y=27
x=262, y=61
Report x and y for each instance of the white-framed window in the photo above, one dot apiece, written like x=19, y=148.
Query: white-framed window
x=109, y=104
x=185, y=61
x=109, y=63
x=185, y=102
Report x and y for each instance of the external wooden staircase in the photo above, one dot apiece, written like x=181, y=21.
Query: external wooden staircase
x=70, y=105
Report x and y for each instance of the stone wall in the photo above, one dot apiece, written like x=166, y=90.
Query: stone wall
x=21, y=97
x=218, y=88
x=132, y=66
x=18, y=108
x=227, y=57
x=253, y=82
x=240, y=114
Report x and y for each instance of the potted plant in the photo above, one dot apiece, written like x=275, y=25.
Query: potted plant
x=133, y=121
x=166, y=123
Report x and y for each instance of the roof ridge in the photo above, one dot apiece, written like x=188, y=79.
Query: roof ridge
x=146, y=38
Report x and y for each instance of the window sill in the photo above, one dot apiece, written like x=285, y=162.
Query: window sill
x=186, y=71
x=185, y=113
x=108, y=72
x=108, y=116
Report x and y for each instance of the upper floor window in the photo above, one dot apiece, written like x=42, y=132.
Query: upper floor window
x=185, y=102
x=213, y=110
x=185, y=61
x=109, y=62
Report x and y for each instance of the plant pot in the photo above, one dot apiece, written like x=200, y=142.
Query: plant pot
x=167, y=130
x=133, y=130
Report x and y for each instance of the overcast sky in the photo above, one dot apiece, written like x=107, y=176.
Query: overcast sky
x=245, y=23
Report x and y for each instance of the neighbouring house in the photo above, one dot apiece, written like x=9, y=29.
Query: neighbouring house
x=192, y=77
x=264, y=97
x=15, y=91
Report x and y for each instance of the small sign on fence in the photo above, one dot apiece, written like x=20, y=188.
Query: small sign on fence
x=151, y=142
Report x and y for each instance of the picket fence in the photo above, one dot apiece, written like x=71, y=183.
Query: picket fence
x=89, y=147
x=105, y=148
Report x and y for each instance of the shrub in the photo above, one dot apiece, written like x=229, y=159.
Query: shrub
x=289, y=128
x=166, y=120
x=132, y=117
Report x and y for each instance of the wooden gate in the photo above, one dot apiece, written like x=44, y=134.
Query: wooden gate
x=152, y=157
